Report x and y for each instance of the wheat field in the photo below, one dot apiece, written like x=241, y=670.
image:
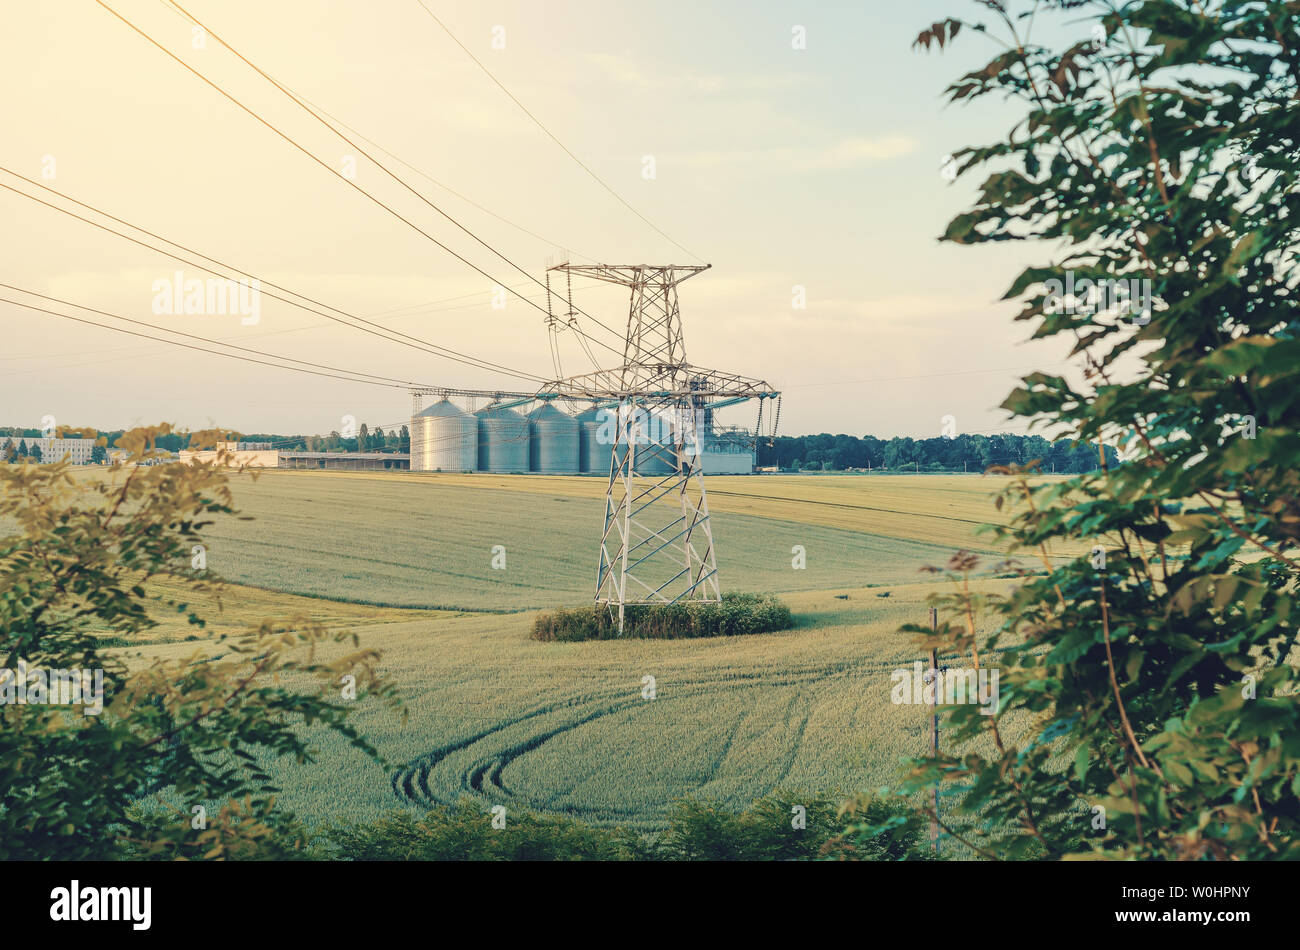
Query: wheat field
x=426, y=540
x=580, y=729
x=575, y=729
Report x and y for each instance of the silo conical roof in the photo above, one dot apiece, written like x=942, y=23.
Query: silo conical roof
x=443, y=407
x=546, y=411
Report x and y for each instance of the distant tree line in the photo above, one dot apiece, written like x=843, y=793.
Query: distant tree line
x=822, y=452
x=394, y=440
x=12, y=450
x=972, y=453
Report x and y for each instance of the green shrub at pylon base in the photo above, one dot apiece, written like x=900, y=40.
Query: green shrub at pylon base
x=736, y=615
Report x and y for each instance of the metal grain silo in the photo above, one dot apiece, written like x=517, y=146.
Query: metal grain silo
x=659, y=461
x=593, y=454
x=655, y=459
x=552, y=441
x=595, y=432
x=502, y=440
x=444, y=438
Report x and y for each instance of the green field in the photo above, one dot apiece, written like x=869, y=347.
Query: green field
x=426, y=540
x=565, y=728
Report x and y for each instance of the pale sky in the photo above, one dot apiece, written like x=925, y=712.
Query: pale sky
x=814, y=167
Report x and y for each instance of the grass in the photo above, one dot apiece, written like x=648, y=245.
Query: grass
x=230, y=609
x=569, y=729
x=936, y=509
x=566, y=728
x=426, y=540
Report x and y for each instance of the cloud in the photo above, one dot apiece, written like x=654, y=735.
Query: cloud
x=621, y=69
x=858, y=151
x=846, y=153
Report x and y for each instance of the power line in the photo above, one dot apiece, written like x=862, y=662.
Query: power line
x=130, y=352
x=538, y=122
x=191, y=336
x=579, y=333
x=234, y=356
x=396, y=311
x=397, y=158
x=397, y=315
x=423, y=345
x=445, y=187
x=300, y=147
x=308, y=109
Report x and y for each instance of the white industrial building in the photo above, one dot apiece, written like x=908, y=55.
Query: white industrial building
x=251, y=454
x=77, y=451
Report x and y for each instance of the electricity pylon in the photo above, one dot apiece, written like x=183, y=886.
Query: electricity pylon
x=657, y=543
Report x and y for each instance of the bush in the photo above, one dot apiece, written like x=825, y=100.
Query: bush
x=464, y=832
x=76, y=568
x=1154, y=679
x=879, y=829
x=697, y=831
x=736, y=615
x=237, y=830
x=705, y=831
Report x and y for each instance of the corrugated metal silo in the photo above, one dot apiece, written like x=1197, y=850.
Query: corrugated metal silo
x=655, y=459
x=502, y=440
x=552, y=441
x=444, y=438
x=593, y=455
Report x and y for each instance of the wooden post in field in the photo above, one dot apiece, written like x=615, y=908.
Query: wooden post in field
x=934, y=730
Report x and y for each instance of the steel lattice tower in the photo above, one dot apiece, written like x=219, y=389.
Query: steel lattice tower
x=657, y=543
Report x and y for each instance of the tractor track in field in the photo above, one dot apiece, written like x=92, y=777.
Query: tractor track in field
x=492, y=750
x=842, y=504
x=802, y=728
x=383, y=561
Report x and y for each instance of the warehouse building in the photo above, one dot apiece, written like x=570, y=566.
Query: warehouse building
x=251, y=454
x=77, y=451
x=347, y=461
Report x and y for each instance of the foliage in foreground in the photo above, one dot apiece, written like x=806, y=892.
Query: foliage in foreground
x=878, y=828
x=1162, y=146
x=240, y=830
x=464, y=832
x=736, y=615
x=698, y=831
x=192, y=731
